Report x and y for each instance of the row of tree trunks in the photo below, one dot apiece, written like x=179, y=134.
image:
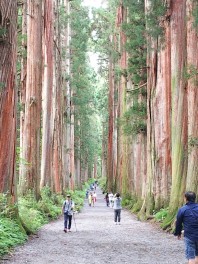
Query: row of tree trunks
x=162, y=169
x=48, y=166
x=8, y=99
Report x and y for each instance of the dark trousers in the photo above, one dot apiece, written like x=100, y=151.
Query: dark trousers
x=117, y=213
x=67, y=221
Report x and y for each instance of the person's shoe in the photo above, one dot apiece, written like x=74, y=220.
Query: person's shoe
x=69, y=230
x=119, y=223
x=65, y=230
x=115, y=223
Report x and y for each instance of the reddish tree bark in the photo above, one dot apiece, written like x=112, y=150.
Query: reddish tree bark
x=179, y=103
x=47, y=96
x=192, y=91
x=30, y=174
x=122, y=147
x=110, y=127
x=8, y=21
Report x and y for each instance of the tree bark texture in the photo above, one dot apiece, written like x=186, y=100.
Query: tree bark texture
x=178, y=103
x=8, y=99
x=47, y=96
x=30, y=174
x=110, y=157
x=121, y=173
x=192, y=92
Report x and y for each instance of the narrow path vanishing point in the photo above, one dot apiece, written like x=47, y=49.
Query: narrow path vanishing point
x=99, y=241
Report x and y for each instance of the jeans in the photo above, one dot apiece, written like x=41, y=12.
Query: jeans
x=117, y=213
x=191, y=248
x=67, y=221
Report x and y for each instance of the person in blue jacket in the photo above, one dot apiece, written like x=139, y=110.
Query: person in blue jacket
x=187, y=219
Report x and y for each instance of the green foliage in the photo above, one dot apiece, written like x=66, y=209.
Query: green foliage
x=191, y=72
x=161, y=215
x=129, y=201
x=135, y=29
x=10, y=234
x=34, y=214
x=7, y=209
x=193, y=141
x=168, y=221
x=103, y=183
x=83, y=84
x=155, y=18
x=195, y=13
x=134, y=120
x=3, y=31
x=2, y=85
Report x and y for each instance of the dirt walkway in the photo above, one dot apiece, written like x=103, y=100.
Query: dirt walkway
x=99, y=241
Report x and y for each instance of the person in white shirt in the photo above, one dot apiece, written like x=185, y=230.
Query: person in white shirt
x=117, y=208
x=111, y=199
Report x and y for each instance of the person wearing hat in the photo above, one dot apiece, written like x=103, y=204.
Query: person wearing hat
x=67, y=210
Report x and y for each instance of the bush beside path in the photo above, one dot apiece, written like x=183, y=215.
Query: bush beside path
x=99, y=241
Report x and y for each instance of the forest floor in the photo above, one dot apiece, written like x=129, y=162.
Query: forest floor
x=99, y=241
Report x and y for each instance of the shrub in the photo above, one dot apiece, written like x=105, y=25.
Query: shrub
x=161, y=215
x=10, y=235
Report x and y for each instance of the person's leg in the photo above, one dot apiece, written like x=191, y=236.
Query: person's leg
x=115, y=216
x=70, y=221
x=119, y=215
x=65, y=221
x=190, y=250
x=196, y=252
x=191, y=261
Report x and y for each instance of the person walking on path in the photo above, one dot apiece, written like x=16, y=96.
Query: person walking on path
x=107, y=199
x=94, y=196
x=111, y=199
x=117, y=208
x=187, y=217
x=67, y=209
x=90, y=198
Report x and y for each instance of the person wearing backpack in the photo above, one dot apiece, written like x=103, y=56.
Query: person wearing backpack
x=117, y=208
x=67, y=210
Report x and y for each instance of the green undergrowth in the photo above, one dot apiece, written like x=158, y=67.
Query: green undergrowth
x=33, y=214
x=161, y=214
x=103, y=183
x=132, y=203
x=165, y=218
x=10, y=234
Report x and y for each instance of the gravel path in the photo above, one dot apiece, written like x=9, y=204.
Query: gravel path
x=99, y=241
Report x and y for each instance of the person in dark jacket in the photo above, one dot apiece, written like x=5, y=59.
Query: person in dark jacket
x=187, y=218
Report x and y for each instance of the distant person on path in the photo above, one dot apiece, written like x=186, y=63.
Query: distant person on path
x=90, y=199
x=67, y=209
x=187, y=217
x=107, y=199
x=94, y=196
x=111, y=199
x=117, y=208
